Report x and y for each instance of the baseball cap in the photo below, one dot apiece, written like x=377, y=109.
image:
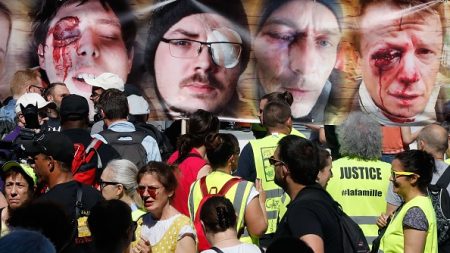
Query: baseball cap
x=33, y=99
x=74, y=107
x=138, y=105
x=105, y=81
x=23, y=166
x=54, y=144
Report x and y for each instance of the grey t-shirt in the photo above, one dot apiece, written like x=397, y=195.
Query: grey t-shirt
x=394, y=199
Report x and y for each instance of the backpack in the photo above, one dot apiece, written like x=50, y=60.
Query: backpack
x=441, y=204
x=203, y=243
x=84, y=170
x=353, y=238
x=128, y=145
x=165, y=146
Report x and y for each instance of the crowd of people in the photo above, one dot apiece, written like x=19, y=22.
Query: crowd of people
x=111, y=190
x=84, y=169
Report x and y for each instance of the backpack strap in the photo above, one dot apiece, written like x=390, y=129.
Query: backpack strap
x=444, y=180
x=79, y=203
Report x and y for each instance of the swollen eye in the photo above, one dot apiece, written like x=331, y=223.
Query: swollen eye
x=66, y=31
x=385, y=59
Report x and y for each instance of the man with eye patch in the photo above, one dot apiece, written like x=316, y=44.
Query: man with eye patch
x=400, y=59
x=296, y=48
x=79, y=39
x=195, y=53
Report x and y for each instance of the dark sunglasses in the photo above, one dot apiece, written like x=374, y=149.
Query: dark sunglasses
x=275, y=162
x=151, y=190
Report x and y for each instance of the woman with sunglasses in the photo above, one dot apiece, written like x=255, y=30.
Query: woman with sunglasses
x=413, y=226
x=118, y=181
x=163, y=229
x=222, y=151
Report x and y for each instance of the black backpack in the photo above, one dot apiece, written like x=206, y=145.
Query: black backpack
x=128, y=145
x=353, y=238
x=441, y=203
x=165, y=146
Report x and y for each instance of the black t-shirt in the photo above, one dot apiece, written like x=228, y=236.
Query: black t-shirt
x=311, y=213
x=65, y=195
x=105, y=151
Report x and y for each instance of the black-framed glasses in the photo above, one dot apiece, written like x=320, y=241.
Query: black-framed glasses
x=275, y=162
x=223, y=53
x=103, y=184
x=41, y=89
x=151, y=190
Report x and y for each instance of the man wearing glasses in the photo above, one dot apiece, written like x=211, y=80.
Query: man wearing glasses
x=195, y=55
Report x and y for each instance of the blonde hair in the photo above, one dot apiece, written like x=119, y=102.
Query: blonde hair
x=23, y=78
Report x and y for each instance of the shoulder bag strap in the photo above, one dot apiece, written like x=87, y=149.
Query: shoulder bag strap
x=444, y=180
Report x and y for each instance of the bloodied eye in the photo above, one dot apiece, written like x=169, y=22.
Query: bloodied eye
x=66, y=31
x=385, y=59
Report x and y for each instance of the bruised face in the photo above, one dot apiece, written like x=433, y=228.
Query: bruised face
x=84, y=40
x=186, y=84
x=296, y=51
x=400, y=58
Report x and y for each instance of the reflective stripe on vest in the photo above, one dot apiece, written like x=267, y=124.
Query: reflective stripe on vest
x=238, y=195
x=393, y=238
x=262, y=150
x=360, y=187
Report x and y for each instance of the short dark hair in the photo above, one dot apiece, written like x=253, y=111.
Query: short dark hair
x=220, y=147
x=114, y=104
x=51, y=87
x=111, y=225
x=49, y=218
x=164, y=173
x=419, y=162
x=45, y=10
x=301, y=157
x=276, y=113
x=218, y=214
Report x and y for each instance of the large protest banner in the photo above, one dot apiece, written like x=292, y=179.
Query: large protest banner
x=387, y=58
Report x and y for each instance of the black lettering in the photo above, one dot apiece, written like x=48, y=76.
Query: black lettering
x=372, y=173
x=379, y=174
x=361, y=172
x=342, y=172
x=355, y=173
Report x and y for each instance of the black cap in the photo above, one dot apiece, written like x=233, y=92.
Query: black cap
x=74, y=107
x=54, y=144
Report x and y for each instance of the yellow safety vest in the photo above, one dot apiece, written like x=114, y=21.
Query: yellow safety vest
x=238, y=195
x=393, y=239
x=361, y=187
x=262, y=150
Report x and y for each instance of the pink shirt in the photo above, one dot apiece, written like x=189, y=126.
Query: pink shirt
x=188, y=170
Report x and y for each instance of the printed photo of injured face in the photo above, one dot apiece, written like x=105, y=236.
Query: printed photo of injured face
x=400, y=58
x=195, y=53
x=76, y=39
x=296, y=50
